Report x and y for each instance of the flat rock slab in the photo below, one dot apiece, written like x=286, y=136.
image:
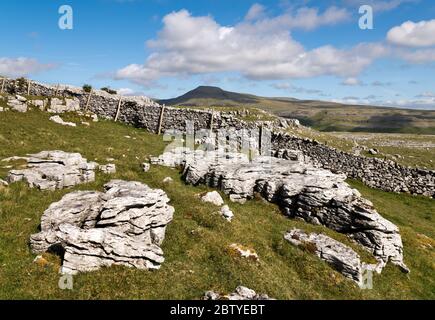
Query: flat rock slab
x=301, y=190
x=124, y=225
x=50, y=170
x=341, y=257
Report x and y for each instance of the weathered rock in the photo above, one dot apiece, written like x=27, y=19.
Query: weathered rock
x=241, y=293
x=300, y=189
x=244, y=252
x=41, y=104
x=60, y=121
x=146, y=167
x=21, y=98
x=18, y=103
x=108, y=168
x=50, y=170
x=63, y=105
x=125, y=225
x=339, y=256
x=227, y=213
x=168, y=180
x=214, y=198
x=373, y=151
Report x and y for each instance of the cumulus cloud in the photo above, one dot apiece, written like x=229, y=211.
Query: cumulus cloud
x=256, y=11
x=413, y=34
x=20, y=67
x=260, y=49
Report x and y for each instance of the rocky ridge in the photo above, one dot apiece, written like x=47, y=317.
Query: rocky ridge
x=301, y=190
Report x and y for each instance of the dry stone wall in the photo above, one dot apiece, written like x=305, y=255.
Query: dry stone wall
x=144, y=113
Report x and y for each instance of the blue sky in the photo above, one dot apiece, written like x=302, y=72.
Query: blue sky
x=163, y=48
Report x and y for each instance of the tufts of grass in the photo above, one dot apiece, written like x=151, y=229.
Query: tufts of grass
x=197, y=240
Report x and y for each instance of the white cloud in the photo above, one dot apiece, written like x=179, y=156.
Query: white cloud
x=260, y=49
x=286, y=86
x=351, y=82
x=423, y=101
x=379, y=5
x=417, y=56
x=381, y=84
x=20, y=67
x=256, y=11
x=125, y=91
x=413, y=34
x=427, y=94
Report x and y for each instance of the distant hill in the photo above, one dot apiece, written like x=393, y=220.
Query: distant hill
x=321, y=115
x=215, y=95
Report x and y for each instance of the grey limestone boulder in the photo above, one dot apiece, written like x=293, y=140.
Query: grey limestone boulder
x=124, y=225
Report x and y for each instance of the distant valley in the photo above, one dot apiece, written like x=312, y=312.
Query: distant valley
x=321, y=115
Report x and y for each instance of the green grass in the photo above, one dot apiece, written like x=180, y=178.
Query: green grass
x=321, y=115
x=197, y=240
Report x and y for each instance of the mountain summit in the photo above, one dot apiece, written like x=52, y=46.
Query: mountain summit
x=208, y=95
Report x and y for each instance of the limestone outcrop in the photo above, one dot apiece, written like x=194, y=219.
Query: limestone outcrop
x=301, y=190
x=341, y=257
x=50, y=170
x=124, y=225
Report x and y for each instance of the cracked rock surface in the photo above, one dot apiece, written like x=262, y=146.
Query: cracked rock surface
x=124, y=225
x=301, y=190
x=50, y=170
x=341, y=257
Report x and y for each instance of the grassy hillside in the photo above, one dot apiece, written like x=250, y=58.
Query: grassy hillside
x=324, y=116
x=196, y=245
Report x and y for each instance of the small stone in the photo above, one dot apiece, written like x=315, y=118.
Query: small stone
x=227, y=213
x=373, y=151
x=237, y=199
x=213, y=197
x=241, y=293
x=59, y=120
x=108, y=168
x=168, y=180
x=244, y=252
x=146, y=166
x=20, y=98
